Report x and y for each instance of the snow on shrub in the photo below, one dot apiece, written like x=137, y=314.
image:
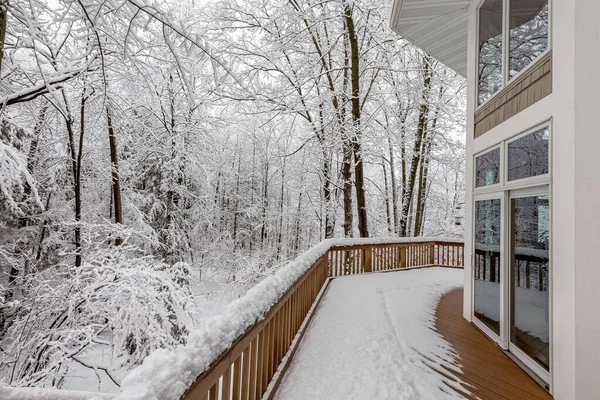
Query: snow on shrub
x=166, y=374
x=14, y=177
x=126, y=302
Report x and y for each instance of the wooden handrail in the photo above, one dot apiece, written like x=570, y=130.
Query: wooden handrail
x=245, y=370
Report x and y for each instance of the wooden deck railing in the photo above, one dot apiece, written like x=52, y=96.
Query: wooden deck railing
x=245, y=371
x=350, y=260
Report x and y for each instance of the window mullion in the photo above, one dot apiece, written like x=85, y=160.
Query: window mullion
x=505, y=42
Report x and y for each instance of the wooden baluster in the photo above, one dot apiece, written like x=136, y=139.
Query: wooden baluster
x=226, y=388
x=388, y=257
x=527, y=275
x=272, y=350
x=246, y=372
x=288, y=330
x=337, y=263
x=276, y=342
x=454, y=255
x=431, y=254
x=266, y=356
x=214, y=391
x=260, y=363
x=237, y=378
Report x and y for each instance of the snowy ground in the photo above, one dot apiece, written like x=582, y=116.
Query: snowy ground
x=371, y=338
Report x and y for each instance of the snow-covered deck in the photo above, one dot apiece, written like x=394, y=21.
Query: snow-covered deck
x=387, y=336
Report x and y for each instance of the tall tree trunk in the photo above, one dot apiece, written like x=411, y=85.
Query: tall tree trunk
x=359, y=179
x=237, y=198
x=76, y=189
x=298, y=227
x=424, y=168
x=393, y=182
x=409, y=187
x=3, y=16
x=329, y=209
x=421, y=189
x=116, y=181
x=281, y=198
x=347, y=187
x=387, y=199
x=329, y=215
x=265, y=206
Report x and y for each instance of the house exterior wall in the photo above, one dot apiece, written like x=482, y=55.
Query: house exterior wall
x=520, y=93
x=572, y=109
x=586, y=179
x=575, y=190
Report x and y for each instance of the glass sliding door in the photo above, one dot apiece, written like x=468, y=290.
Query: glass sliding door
x=487, y=265
x=529, y=287
x=511, y=263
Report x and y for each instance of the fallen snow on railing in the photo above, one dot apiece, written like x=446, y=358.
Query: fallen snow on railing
x=167, y=374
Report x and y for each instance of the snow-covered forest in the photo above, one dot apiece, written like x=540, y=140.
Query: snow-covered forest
x=158, y=159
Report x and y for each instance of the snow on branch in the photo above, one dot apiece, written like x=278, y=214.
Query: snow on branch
x=14, y=177
x=40, y=89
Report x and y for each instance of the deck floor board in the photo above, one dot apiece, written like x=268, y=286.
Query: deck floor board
x=489, y=372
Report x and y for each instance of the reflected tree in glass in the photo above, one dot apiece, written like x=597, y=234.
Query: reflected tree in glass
x=529, y=155
x=487, y=168
x=490, y=49
x=487, y=262
x=528, y=33
x=530, y=317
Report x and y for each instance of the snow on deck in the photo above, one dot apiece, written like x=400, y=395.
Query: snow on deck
x=372, y=338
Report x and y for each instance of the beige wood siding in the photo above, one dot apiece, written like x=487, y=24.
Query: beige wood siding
x=527, y=89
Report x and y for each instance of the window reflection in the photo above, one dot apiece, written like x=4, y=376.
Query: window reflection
x=528, y=32
x=529, y=155
x=490, y=49
x=487, y=168
x=530, y=261
x=487, y=262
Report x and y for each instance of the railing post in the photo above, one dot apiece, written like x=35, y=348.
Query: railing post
x=432, y=253
x=367, y=259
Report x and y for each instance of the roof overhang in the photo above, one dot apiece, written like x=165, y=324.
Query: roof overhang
x=439, y=27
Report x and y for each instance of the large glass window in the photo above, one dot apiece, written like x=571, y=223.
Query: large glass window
x=527, y=38
x=530, y=320
x=487, y=168
x=487, y=262
x=490, y=49
x=511, y=269
x=528, y=33
x=529, y=155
